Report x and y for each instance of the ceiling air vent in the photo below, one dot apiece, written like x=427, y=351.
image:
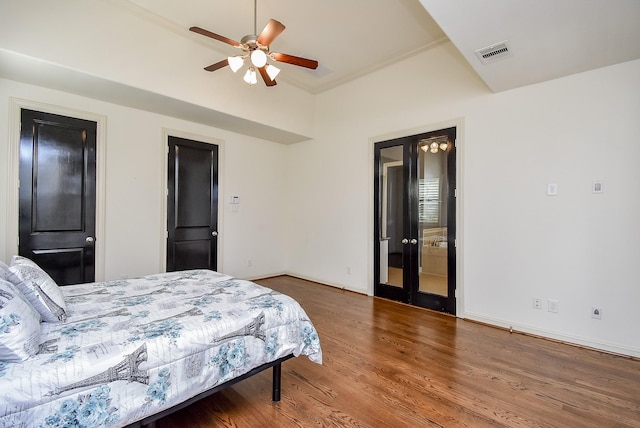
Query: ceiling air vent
x=493, y=52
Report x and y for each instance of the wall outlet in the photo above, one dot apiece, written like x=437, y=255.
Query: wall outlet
x=554, y=306
x=596, y=312
x=249, y=263
x=348, y=270
x=537, y=303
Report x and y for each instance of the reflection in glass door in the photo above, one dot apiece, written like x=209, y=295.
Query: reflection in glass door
x=391, y=179
x=415, y=227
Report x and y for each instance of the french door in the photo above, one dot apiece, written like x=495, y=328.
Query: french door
x=415, y=205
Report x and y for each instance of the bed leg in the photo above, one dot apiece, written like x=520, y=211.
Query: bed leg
x=277, y=371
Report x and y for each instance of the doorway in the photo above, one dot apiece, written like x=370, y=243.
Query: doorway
x=415, y=206
x=192, y=205
x=57, y=195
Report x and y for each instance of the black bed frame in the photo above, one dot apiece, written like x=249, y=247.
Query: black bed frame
x=149, y=421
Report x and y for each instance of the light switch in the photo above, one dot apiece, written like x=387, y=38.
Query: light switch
x=552, y=189
x=597, y=187
x=234, y=200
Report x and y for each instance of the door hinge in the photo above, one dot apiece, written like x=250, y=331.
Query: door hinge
x=166, y=234
x=455, y=193
x=455, y=293
x=455, y=242
x=455, y=143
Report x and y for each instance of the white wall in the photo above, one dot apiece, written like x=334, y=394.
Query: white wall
x=515, y=243
x=135, y=176
x=307, y=209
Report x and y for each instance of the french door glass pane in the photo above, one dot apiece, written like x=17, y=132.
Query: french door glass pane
x=433, y=189
x=391, y=231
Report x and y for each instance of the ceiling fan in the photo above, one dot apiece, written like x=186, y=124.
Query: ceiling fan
x=256, y=48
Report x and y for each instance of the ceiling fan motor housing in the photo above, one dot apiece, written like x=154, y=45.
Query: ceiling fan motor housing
x=251, y=41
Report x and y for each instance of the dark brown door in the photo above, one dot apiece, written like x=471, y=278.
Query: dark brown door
x=192, y=205
x=58, y=195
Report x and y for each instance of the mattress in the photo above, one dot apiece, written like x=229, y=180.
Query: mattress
x=132, y=348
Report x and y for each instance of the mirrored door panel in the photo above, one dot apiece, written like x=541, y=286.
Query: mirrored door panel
x=432, y=207
x=392, y=218
x=393, y=266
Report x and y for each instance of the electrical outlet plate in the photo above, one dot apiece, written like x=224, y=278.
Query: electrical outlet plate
x=537, y=303
x=554, y=306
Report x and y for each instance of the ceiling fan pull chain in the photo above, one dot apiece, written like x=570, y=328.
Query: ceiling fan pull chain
x=255, y=16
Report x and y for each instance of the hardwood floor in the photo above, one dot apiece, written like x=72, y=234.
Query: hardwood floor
x=392, y=365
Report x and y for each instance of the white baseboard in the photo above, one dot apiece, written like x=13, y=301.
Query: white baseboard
x=320, y=281
x=555, y=335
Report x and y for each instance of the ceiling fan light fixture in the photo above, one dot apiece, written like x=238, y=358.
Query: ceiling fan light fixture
x=250, y=76
x=235, y=63
x=258, y=58
x=272, y=71
x=256, y=47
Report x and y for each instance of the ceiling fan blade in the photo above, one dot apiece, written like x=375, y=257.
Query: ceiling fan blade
x=218, y=65
x=295, y=60
x=265, y=77
x=215, y=36
x=270, y=32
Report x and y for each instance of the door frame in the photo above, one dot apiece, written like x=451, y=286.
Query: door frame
x=169, y=132
x=458, y=123
x=13, y=208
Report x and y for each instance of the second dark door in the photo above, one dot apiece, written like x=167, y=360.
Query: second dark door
x=192, y=205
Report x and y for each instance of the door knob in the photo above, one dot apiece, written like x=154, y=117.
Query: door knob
x=414, y=241
x=405, y=241
x=89, y=239
x=214, y=233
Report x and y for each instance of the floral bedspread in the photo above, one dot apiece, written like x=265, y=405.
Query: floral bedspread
x=131, y=348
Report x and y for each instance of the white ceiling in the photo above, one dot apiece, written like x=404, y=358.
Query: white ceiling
x=547, y=38
x=349, y=38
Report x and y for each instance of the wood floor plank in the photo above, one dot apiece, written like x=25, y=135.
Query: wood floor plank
x=391, y=365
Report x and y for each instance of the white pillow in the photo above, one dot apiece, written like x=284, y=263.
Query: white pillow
x=20, y=260
x=19, y=325
x=40, y=290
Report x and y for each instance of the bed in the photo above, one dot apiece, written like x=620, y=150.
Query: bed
x=125, y=352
